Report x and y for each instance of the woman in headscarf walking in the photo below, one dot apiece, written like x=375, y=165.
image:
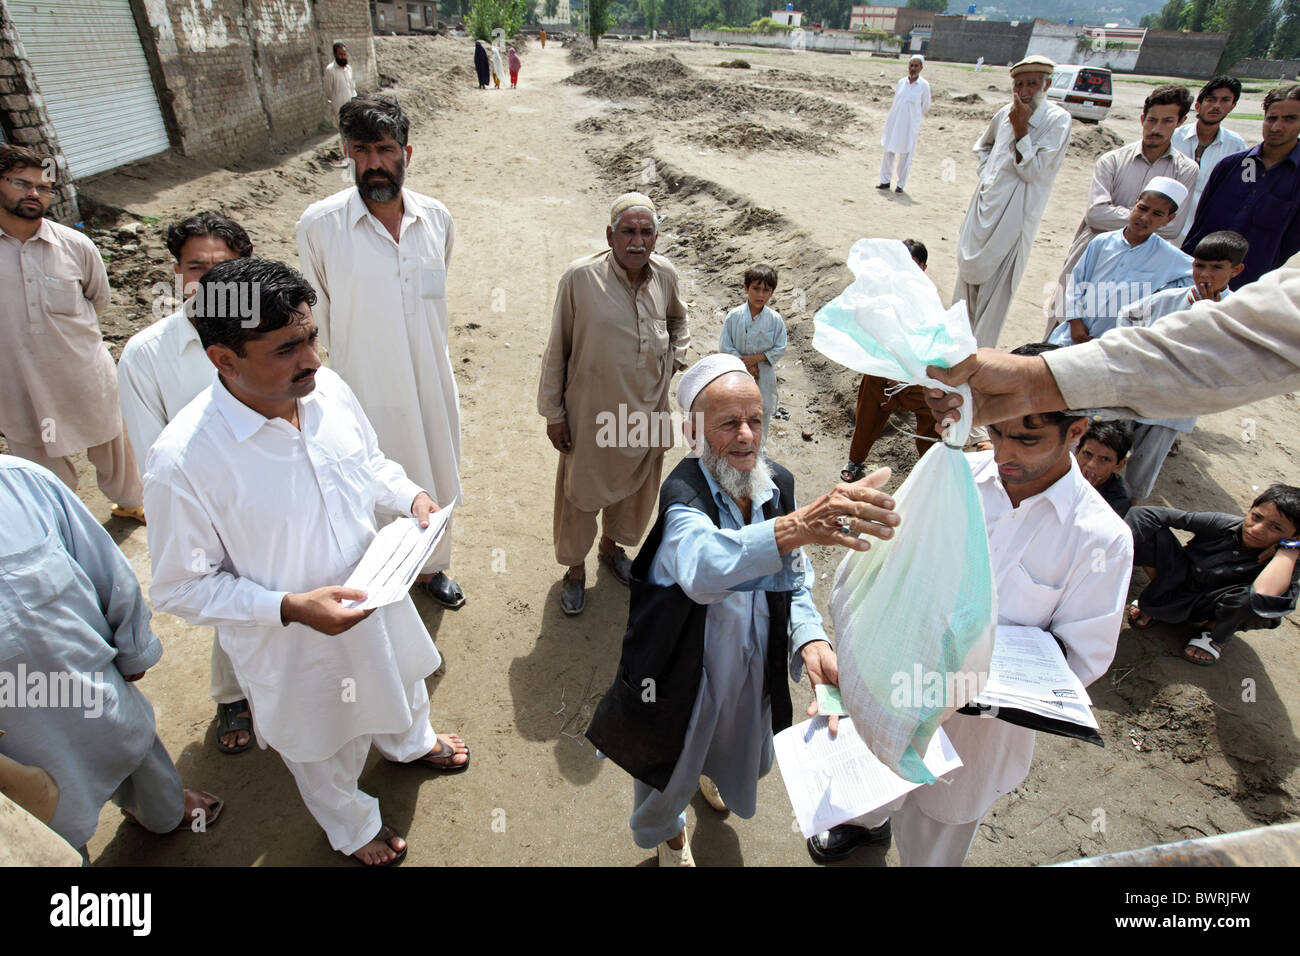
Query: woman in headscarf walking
x=498, y=69
x=512, y=61
x=481, y=64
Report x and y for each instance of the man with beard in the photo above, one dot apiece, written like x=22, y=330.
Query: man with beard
x=1256, y=192
x=1060, y=561
x=58, y=384
x=263, y=493
x=721, y=606
x=388, y=338
x=1120, y=177
x=618, y=333
x=1207, y=140
x=1019, y=155
x=339, y=88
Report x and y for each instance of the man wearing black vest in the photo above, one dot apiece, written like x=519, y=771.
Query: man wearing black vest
x=721, y=606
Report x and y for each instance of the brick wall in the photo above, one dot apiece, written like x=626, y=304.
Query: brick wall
x=23, y=118
x=244, y=75
x=1174, y=53
x=959, y=40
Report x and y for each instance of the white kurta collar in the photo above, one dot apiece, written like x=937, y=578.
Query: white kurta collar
x=245, y=422
x=1061, y=495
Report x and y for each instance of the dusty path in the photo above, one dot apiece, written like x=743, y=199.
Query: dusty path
x=528, y=175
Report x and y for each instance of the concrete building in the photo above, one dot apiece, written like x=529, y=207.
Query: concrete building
x=101, y=83
x=404, y=17
x=791, y=17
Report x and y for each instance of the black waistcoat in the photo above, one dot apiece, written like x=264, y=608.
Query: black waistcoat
x=641, y=721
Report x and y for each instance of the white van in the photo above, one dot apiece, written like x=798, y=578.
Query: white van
x=1082, y=91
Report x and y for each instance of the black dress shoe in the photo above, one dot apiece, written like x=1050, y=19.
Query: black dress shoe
x=839, y=842
x=445, y=591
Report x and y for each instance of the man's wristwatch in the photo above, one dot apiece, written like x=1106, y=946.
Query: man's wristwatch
x=1290, y=544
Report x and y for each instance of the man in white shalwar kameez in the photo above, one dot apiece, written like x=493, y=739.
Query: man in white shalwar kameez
x=746, y=567
x=1019, y=155
x=264, y=492
x=1060, y=561
x=377, y=255
x=339, y=88
x=903, y=125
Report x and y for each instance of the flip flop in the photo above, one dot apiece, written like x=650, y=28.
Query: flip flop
x=434, y=761
x=213, y=813
x=229, y=721
x=387, y=834
x=852, y=472
x=1203, y=643
x=1133, y=609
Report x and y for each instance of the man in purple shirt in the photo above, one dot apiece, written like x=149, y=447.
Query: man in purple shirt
x=1256, y=192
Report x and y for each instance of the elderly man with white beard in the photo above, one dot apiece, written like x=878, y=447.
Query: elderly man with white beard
x=721, y=605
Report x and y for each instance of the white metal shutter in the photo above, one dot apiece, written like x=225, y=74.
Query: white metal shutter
x=94, y=78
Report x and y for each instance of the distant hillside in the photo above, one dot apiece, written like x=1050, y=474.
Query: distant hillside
x=1123, y=12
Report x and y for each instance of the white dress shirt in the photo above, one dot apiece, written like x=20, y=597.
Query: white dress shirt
x=382, y=314
x=244, y=509
x=162, y=368
x=1185, y=141
x=1061, y=562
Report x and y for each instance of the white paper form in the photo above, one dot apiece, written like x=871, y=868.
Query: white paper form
x=833, y=779
x=394, y=559
x=1027, y=662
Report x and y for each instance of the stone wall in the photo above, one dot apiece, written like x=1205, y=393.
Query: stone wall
x=959, y=40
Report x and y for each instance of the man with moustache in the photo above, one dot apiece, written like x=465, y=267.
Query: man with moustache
x=377, y=255
x=1019, y=155
x=58, y=384
x=339, y=88
x=1121, y=176
x=262, y=495
x=721, y=611
x=1256, y=192
x=1060, y=560
x=618, y=333
x=1207, y=140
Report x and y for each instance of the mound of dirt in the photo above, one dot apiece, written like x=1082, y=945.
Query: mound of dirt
x=734, y=64
x=966, y=98
x=747, y=136
x=1092, y=139
x=680, y=93
x=416, y=71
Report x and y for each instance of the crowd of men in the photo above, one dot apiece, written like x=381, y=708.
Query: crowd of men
x=262, y=475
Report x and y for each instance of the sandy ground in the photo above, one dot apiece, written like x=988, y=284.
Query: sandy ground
x=776, y=163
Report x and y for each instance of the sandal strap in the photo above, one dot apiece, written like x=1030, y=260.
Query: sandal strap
x=1204, y=643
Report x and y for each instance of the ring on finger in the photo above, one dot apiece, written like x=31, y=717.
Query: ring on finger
x=842, y=522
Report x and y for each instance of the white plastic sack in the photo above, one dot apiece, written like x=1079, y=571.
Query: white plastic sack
x=914, y=616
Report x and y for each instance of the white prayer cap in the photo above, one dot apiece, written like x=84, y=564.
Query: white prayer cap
x=699, y=375
x=628, y=201
x=916, y=56
x=1175, y=191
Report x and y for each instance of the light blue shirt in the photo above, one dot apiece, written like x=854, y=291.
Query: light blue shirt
x=729, y=567
x=1184, y=140
x=1113, y=275
x=69, y=605
x=1143, y=314
x=743, y=334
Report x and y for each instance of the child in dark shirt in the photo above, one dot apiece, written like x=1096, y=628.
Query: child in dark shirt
x=1102, y=453
x=1236, y=574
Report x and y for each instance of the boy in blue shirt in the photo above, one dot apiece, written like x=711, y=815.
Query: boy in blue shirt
x=756, y=333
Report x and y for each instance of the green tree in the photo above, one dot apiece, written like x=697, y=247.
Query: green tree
x=1240, y=19
x=938, y=6
x=455, y=8
x=1198, y=13
x=650, y=10
x=486, y=15
x=1286, y=44
x=599, y=19
x=1169, y=18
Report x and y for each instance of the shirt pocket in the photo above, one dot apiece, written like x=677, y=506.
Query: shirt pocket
x=30, y=580
x=61, y=295
x=433, y=278
x=1030, y=603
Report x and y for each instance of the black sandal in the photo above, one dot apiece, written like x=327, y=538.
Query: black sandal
x=229, y=721
x=852, y=472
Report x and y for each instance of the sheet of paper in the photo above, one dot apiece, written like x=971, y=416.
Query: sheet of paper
x=1027, y=662
x=394, y=559
x=831, y=780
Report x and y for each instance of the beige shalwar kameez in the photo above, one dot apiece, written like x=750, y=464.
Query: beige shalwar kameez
x=606, y=371
x=58, y=383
